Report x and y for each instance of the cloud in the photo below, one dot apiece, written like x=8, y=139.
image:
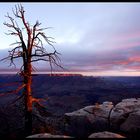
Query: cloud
x=117, y=59
x=89, y=61
x=106, y=38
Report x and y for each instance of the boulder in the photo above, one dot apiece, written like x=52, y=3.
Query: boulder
x=89, y=119
x=105, y=134
x=132, y=124
x=47, y=135
x=121, y=111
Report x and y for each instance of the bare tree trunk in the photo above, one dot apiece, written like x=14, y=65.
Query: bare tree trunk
x=28, y=100
x=23, y=50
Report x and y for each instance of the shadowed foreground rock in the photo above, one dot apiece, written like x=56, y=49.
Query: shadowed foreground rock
x=123, y=117
x=105, y=134
x=132, y=123
x=47, y=135
x=123, y=112
x=87, y=120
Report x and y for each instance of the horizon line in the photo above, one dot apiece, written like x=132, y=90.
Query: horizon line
x=76, y=73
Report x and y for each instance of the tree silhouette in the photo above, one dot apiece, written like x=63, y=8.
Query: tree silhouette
x=31, y=51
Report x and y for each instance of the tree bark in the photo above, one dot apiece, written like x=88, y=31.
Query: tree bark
x=28, y=100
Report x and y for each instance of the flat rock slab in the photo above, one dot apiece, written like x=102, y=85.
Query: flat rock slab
x=47, y=135
x=105, y=134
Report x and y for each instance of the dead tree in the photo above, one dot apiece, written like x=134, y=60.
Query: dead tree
x=31, y=51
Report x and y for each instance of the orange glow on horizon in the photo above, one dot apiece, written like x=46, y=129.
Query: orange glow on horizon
x=100, y=73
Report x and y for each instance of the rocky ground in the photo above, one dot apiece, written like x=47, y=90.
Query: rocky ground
x=104, y=134
x=123, y=118
x=104, y=120
x=101, y=121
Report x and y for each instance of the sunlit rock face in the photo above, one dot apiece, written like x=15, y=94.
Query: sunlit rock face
x=105, y=134
x=87, y=120
x=47, y=135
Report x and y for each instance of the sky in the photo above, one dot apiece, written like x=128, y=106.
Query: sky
x=100, y=39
